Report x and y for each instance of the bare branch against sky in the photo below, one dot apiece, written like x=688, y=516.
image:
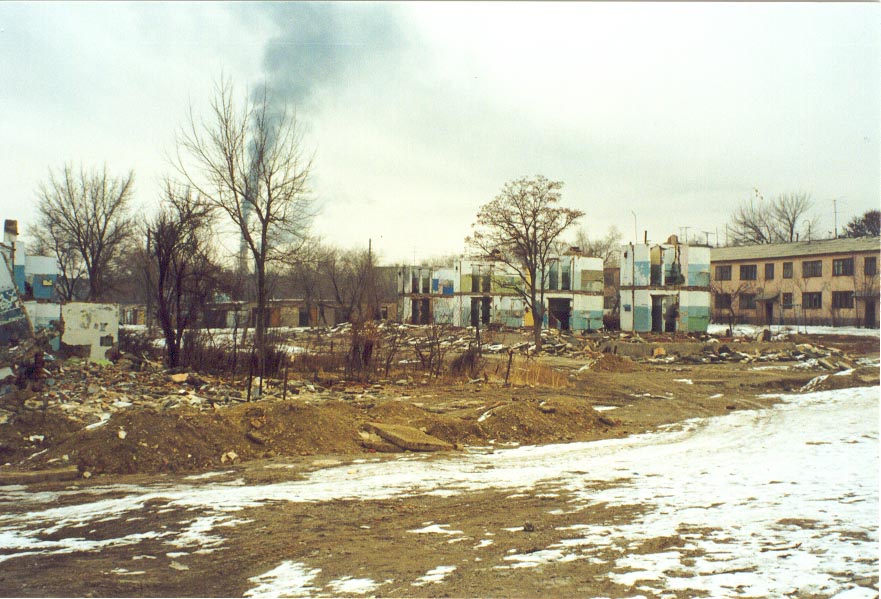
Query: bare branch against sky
x=676, y=112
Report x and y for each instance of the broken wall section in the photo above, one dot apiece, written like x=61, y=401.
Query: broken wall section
x=92, y=326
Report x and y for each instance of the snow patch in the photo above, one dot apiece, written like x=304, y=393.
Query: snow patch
x=289, y=579
x=434, y=576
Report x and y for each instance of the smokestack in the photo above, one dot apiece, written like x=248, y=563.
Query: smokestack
x=10, y=231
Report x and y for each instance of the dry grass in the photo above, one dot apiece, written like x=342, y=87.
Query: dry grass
x=536, y=374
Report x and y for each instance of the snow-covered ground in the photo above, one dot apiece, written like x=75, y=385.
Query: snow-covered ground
x=772, y=502
x=752, y=329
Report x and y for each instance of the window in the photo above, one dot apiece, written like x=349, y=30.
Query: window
x=812, y=268
x=723, y=272
x=787, y=300
x=565, y=276
x=870, y=266
x=608, y=278
x=842, y=299
x=812, y=301
x=552, y=276
x=769, y=272
x=747, y=301
x=842, y=267
x=748, y=272
x=723, y=301
x=787, y=270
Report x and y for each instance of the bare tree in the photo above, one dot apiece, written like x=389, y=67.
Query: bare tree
x=781, y=220
x=83, y=217
x=71, y=269
x=605, y=247
x=246, y=159
x=179, y=264
x=726, y=299
x=351, y=277
x=520, y=227
x=790, y=213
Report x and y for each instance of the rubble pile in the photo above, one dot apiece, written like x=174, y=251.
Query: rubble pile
x=802, y=355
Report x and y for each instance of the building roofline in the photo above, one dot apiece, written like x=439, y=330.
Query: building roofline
x=770, y=251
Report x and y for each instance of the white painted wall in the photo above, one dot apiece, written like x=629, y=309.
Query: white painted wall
x=87, y=324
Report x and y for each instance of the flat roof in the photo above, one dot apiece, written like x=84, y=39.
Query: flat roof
x=768, y=251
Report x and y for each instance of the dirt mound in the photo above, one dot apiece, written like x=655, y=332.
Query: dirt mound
x=560, y=419
x=448, y=428
x=861, y=377
x=397, y=412
x=152, y=441
x=616, y=363
x=31, y=431
x=295, y=428
x=188, y=440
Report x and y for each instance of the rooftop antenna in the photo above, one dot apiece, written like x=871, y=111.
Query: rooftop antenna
x=835, y=215
x=635, y=233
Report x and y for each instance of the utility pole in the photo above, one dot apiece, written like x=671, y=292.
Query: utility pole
x=707, y=233
x=686, y=233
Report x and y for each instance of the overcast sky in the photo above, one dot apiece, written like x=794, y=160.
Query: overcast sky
x=418, y=113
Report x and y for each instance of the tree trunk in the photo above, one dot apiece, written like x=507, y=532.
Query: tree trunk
x=537, y=319
x=260, y=324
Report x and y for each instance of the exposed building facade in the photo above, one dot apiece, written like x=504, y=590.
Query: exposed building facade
x=475, y=292
x=828, y=282
x=664, y=287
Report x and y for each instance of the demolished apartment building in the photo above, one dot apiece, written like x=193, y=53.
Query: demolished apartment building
x=15, y=326
x=665, y=287
x=480, y=292
x=28, y=304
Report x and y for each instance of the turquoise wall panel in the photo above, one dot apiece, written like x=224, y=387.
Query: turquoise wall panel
x=642, y=319
x=697, y=319
x=698, y=275
x=579, y=320
x=643, y=272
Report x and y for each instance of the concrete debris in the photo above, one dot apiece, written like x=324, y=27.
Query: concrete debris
x=407, y=437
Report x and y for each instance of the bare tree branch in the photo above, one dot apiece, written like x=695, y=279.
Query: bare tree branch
x=83, y=218
x=519, y=228
x=246, y=159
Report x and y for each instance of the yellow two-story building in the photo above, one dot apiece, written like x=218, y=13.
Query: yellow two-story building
x=829, y=282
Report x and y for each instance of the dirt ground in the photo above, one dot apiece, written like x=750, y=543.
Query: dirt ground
x=168, y=426
x=613, y=398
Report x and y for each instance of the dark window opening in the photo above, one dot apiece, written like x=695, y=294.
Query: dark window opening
x=723, y=272
x=842, y=267
x=811, y=269
x=812, y=301
x=748, y=272
x=842, y=299
x=870, y=266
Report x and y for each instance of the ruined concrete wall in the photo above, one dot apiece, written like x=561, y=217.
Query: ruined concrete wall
x=694, y=311
x=14, y=323
x=587, y=313
x=635, y=265
x=93, y=325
